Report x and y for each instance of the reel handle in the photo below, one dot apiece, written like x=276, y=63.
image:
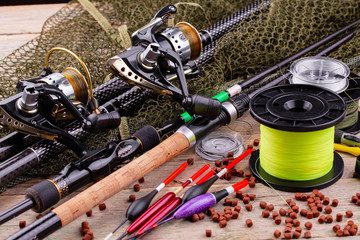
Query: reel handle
x=102, y=121
x=199, y=105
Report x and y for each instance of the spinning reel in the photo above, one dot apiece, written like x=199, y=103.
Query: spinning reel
x=159, y=56
x=41, y=102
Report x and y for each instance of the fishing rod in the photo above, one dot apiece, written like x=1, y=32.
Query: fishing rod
x=156, y=207
x=31, y=156
x=212, y=33
x=93, y=166
x=173, y=146
x=43, y=103
x=196, y=205
x=8, y=144
x=179, y=142
x=173, y=47
x=201, y=187
x=17, y=141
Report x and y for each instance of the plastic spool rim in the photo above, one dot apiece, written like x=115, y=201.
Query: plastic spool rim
x=297, y=186
x=298, y=108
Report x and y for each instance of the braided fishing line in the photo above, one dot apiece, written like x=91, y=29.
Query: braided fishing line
x=297, y=135
x=296, y=156
x=269, y=185
x=351, y=117
x=351, y=96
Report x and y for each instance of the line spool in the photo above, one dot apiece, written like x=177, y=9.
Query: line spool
x=216, y=146
x=351, y=95
x=325, y=72
x=334, y=75
x=297, y=134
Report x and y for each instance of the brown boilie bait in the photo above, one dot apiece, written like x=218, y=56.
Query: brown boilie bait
x=132, y=198
x=278, y=220
x=222, y=223
x=349, y=214
x=339, y=217
x=248, y=207
x=249, y=223
x=321, y=219
x=102, y=206
x=22, y=224
x=270, y=207
x=263, y=205
x=89, y=213
x=136, y=187
x=307, y=234
x=308, y=225
x=277, y=233
x=190, y=161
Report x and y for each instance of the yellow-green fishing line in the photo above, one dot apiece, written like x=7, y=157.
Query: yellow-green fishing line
x=296, y=156
x=351, y=115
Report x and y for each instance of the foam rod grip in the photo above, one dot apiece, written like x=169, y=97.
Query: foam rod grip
x=112, y=184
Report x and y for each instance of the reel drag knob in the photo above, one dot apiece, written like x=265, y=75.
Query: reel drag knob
x=148, y=58
x=28, y=103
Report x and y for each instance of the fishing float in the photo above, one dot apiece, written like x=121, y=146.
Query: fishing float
x=198, y=204
x=139, y=210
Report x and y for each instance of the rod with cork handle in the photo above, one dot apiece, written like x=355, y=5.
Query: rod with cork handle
x=176, y=144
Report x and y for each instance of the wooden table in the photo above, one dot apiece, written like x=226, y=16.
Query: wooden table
x=20, y=24
x=101, y=223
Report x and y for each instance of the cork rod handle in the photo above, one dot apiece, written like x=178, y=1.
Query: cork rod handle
x=107, y=187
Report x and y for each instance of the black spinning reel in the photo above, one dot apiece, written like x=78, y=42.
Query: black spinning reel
x=157, y=57
x=42, y=102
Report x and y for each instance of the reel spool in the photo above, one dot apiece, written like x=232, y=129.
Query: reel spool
x=82, y=90
x=71, y=82
x=302, y=116
x=333, y=75
x=185, y=40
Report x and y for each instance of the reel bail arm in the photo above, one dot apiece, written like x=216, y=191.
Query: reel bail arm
x=156, y=55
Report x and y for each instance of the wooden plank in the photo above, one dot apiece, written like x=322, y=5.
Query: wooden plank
x=25, y=18
x=20, y=24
